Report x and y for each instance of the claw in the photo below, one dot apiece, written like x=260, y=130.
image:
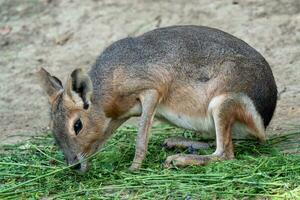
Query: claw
x=191, y=150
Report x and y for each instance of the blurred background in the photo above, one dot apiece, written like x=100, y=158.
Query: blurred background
x=61, y=35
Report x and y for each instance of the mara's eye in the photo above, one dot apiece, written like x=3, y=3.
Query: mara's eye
x=77, y=126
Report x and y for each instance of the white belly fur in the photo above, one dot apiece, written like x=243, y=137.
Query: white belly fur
x=204, y=125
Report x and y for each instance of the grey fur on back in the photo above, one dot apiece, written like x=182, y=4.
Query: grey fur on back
x=195, y=53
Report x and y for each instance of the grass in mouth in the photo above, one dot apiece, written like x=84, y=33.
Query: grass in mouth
x=35, y=170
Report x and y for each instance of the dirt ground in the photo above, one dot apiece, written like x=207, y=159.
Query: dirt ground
x=64, y=34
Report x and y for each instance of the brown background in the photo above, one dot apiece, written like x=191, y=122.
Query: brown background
x=64, y=34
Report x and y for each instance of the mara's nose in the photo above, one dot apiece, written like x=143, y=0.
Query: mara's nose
x=75, y=161
x=77, y=166
x=80, y=166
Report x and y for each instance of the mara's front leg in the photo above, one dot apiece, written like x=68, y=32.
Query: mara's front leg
x=149, y=100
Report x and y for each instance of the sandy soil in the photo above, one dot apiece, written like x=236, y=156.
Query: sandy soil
x=64, y=34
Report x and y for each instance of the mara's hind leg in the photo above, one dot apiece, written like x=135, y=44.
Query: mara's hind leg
x=225, y=110
x=184, y=143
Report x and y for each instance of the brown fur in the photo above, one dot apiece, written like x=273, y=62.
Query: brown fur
x=212, y=85
x=178, y=96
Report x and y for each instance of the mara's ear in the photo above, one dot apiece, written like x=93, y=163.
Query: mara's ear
x=80, y=88
x=51, y=84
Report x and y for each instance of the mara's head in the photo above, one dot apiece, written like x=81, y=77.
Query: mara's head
x=76, y=126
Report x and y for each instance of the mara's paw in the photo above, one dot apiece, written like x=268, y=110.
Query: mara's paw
x=134, y=167
x=177, y=160
x=182, y=160
x=178, y=142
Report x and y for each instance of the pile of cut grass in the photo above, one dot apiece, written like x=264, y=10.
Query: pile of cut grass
x=36, y=170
